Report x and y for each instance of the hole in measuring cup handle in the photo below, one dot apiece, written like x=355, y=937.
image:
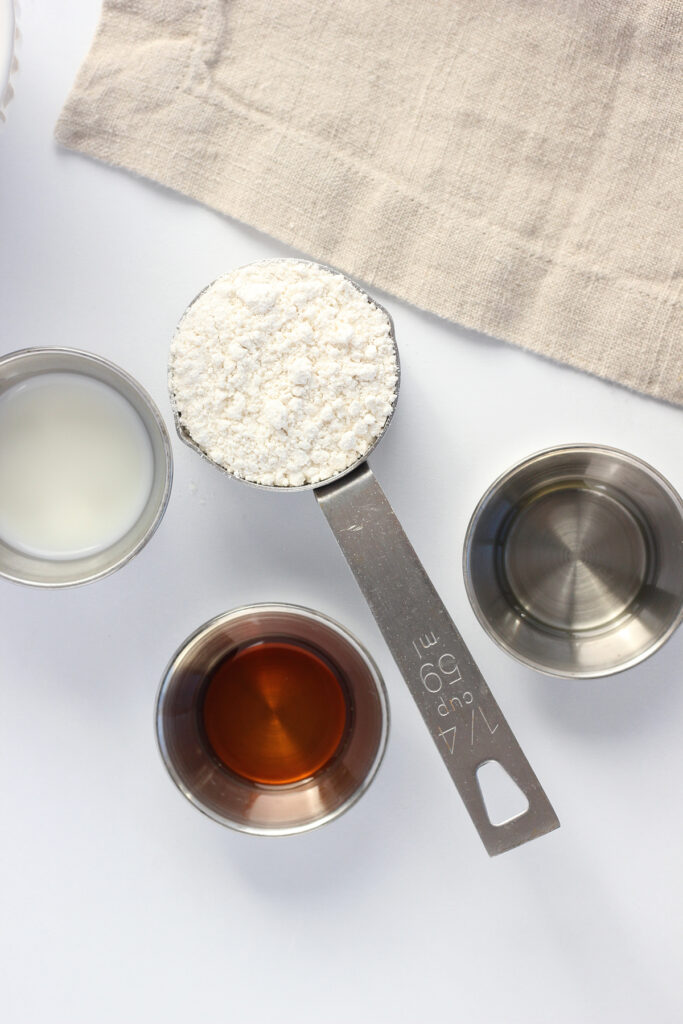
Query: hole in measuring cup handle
x=503, y=799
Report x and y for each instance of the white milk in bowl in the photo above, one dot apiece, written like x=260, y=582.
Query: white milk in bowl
x=76, y=466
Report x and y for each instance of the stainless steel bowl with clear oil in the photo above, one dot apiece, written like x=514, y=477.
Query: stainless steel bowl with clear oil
x=573, y=561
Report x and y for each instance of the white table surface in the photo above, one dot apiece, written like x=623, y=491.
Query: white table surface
x=119, y=902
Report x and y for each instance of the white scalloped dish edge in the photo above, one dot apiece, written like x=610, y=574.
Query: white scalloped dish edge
x=8, y=57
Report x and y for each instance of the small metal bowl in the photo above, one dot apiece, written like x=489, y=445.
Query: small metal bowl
x=573, y=561
x=239, y=803
x=64, y=572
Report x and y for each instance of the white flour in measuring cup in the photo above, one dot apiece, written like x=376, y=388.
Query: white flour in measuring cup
x=283, y=372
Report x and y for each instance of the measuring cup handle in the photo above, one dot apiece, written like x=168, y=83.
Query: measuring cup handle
x=457, y=706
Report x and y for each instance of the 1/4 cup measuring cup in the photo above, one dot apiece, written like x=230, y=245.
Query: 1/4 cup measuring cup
x=461, y=714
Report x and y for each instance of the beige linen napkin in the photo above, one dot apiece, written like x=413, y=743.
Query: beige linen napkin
x=513, y=165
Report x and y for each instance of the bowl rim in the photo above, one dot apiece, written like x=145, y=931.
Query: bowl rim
x=484, y=501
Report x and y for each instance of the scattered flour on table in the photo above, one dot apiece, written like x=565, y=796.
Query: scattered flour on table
x=283, y=372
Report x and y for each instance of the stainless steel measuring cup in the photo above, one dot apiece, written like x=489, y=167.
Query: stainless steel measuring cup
x=459, y=710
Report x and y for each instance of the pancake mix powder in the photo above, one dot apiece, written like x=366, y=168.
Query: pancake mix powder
x=283, y=372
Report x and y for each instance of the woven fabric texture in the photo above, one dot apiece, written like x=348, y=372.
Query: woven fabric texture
x=511, y=165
